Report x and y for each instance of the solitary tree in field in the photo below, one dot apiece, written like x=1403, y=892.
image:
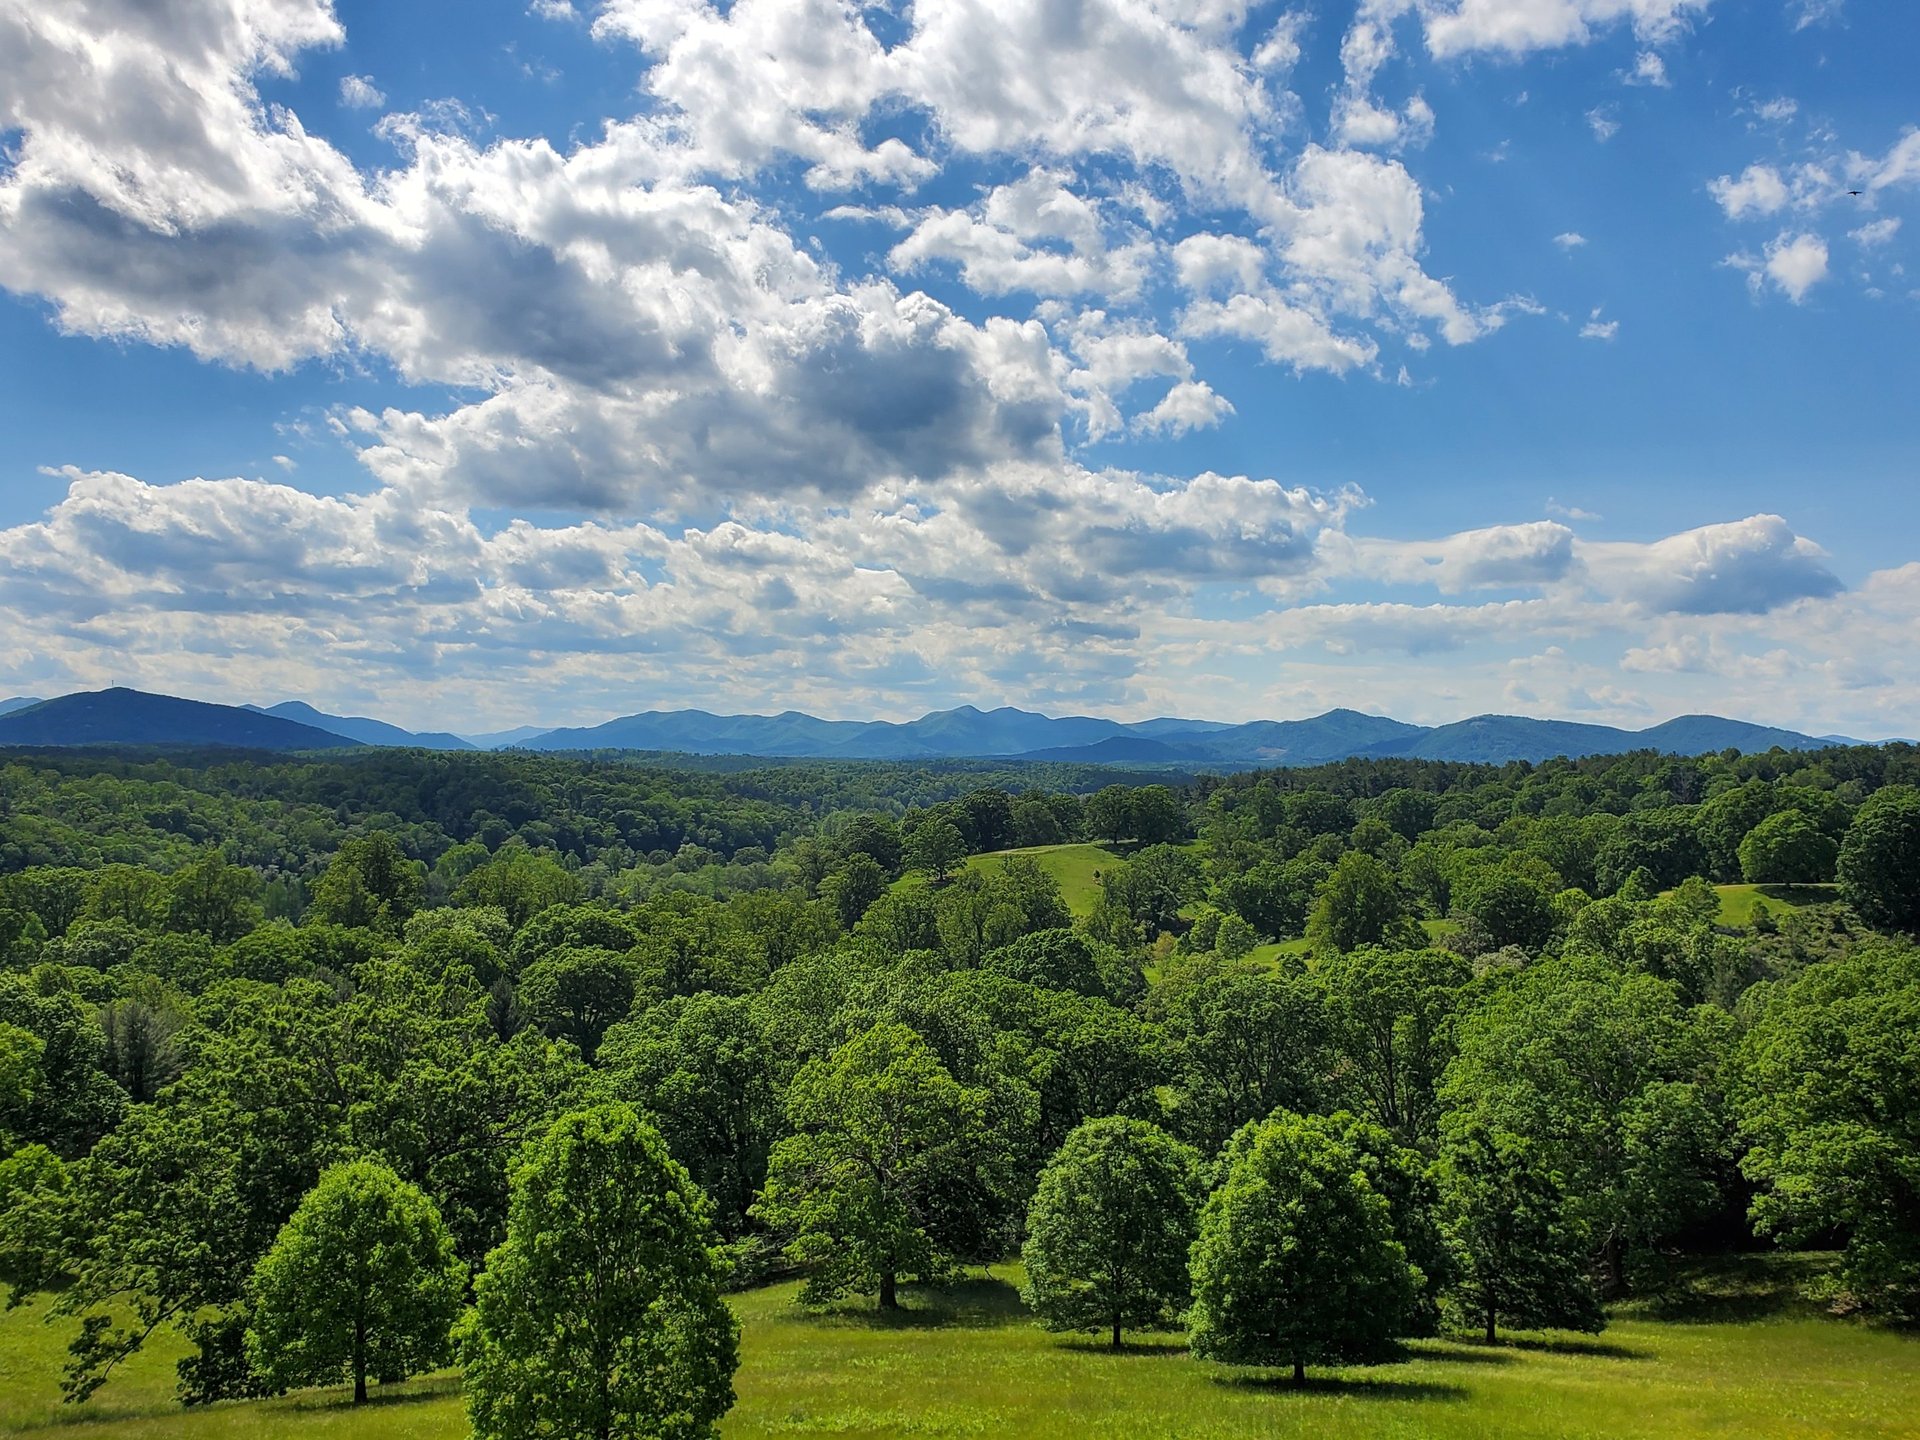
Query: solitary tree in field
x=1518, y=1256
x=362, y=1280
x=882, y=1134
x=1787, y=849
x=1110, y=1227
x=601, y=1315
x=1296, y=1263
x=935, y=848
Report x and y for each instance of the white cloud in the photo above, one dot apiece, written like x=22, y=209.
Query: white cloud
x=1189, y=405
x=1036, y=235
x=1456, y=27
x=1604, y=123
x=358, y=92
x=1648, y=69
x=1814, y=12
x=1598, y=329
x=1876, y=233
x=1570, y=240
x=1746, y=567
x=1796, y=263
x=1569, y=512
x=1540, y=552
x=1758, y=191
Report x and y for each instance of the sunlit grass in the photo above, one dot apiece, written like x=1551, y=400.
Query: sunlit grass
x=1732, y=1354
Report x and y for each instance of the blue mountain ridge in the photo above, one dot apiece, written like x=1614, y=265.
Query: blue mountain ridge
x=131, y=717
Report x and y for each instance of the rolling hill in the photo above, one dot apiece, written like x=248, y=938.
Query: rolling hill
x=133, y=717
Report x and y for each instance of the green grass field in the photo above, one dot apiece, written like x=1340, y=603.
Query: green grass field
x=1074, y=868
x=1736, y=901
x=1735, y=1357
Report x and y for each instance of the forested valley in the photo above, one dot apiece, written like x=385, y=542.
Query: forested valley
x=335, y=1071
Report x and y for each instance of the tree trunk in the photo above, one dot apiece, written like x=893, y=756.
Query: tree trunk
x=1616, y=1266
x=1490, y=1318
x=1299, y=1374
x=1116, y=1334
x=889, y=1298
x=359, y=1360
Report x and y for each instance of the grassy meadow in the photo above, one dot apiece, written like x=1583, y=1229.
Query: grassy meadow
x=1737, y=901
x=1734, y=1355
x=1074, y=868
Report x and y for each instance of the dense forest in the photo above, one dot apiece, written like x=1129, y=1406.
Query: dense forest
x=348, y=1067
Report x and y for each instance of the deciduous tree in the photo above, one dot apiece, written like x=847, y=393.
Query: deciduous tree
x=601, y=1314
x=1110, y=1226
x=362, y=1280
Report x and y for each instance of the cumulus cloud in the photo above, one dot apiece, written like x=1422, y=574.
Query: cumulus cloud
x=1569, y=240
x=1515, y=27
x=1747, y=566
x=358, y=92
x=1758, y=191
x=1501, y=556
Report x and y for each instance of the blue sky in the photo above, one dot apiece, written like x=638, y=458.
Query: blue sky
x=472, y=365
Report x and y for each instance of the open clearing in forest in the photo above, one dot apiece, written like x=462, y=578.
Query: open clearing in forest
x=1074, y=868
x=1737, y=901
x=1738, y=1357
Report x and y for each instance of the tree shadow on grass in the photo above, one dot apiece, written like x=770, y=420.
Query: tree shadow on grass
x=1731, y=1290
x=1463, y=1352
x=417, y=1392
x=979, y=1303
x=1368, y=1387
x=1799, y=894
x=1150, y=1347
x=1571, y=1345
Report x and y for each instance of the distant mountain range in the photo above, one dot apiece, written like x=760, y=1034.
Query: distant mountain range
x=132, y=717
x=367, y=732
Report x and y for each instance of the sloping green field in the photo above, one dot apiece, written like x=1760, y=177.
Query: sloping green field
x=1074, y=868
x=1737, y=901
x=1737, y=1360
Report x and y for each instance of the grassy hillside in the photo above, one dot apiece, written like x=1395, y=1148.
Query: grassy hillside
x=1074, y=868
x=1736, y=901
x=1737, y=1358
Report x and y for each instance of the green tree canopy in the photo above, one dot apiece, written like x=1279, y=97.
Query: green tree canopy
x=881, y=1129
x=361, y=1280
x=601, y=1314
x=1358, y=904
x=576, y=994
x=1296, y=1262
x=1518, y=1254
x=701, y=1069
x=1827, y=1094
x=1880, y=860
x=1392, y=1015
x=1787, y=848
x=1110, y=1226
x=370, y=883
